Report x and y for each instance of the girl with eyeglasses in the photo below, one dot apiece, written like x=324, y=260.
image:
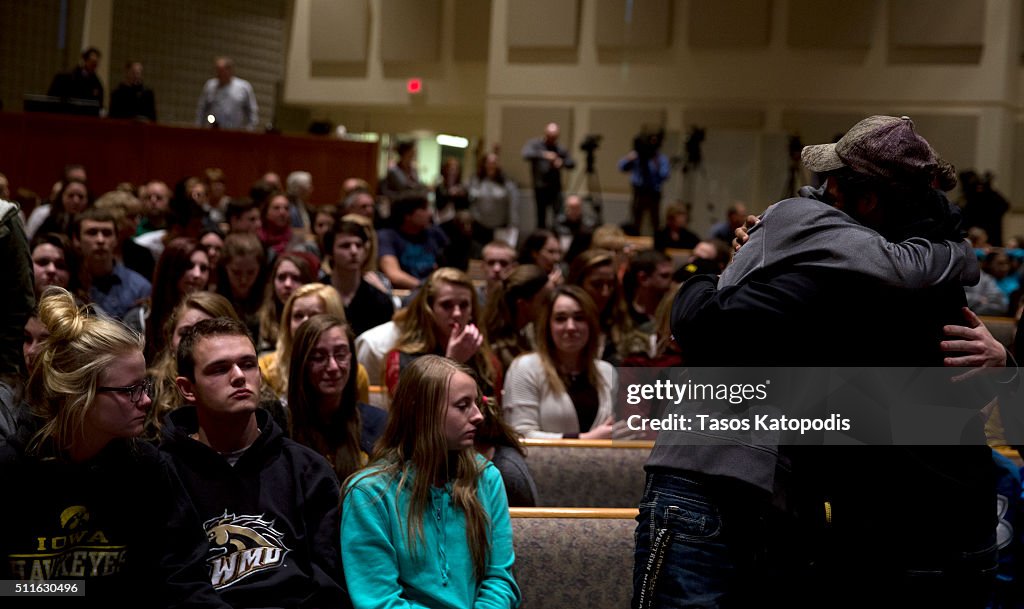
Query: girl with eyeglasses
x=326, y=414
x=103, y=505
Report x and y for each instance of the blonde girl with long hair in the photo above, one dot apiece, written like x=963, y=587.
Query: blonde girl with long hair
x=444, y=318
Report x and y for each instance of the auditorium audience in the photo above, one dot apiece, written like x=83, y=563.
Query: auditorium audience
x=465, y=365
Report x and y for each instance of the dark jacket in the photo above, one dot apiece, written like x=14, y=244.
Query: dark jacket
x=19, y=299
x=272, y=519
x=132, y=101
x=810, y=318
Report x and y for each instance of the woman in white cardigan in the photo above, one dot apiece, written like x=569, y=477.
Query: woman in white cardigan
x=562, y=390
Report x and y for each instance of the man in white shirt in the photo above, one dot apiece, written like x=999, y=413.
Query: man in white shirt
x=227, y=102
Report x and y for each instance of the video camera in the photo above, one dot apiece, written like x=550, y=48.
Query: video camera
x=646, y=144
x=590, y=142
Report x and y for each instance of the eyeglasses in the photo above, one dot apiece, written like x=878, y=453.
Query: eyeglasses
x=341, y=356
x=134, y=391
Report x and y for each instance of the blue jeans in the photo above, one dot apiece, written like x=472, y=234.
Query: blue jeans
x=707, y=543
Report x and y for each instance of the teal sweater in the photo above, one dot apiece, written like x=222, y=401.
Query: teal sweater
x=380, y=570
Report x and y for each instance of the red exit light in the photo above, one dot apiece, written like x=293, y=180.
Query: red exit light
x=414, y=85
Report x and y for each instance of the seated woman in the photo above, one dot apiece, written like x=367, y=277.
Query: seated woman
x=562, y=390
x=212, y=241
x=371, y=274
x=442, y=320
x=427, y=524
x=594, y=271
x=326, y=414
x=53, y=261
x=183, y=268
x=541, y=247
x=242, y=276
x=305, y=302
x=289, y=271
x=512, y=307
x=99, y=489
x=275, y=231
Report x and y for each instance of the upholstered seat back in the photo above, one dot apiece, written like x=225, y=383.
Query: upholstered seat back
x=574, y=558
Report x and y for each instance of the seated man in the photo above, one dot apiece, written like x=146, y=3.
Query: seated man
x=111, y=286
x=243, y=216
x=409, y=253
x=648, y=278
x=269, y=505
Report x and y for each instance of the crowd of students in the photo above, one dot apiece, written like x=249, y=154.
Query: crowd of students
x=194, y=386
x=218, y=355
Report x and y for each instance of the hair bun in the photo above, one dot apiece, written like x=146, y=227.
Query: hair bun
x=60, y=314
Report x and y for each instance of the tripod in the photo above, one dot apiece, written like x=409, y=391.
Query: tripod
x=593, y=187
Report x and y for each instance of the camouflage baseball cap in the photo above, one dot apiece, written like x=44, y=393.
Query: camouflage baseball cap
x=882, y=146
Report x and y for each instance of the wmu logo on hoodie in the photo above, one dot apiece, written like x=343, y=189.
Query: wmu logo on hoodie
x=241, y=546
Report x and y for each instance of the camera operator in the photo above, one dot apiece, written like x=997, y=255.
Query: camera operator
x=648, y=169
x=546, y=160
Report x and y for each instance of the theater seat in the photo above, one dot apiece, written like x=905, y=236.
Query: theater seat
x=574, y=557
x=588, y=473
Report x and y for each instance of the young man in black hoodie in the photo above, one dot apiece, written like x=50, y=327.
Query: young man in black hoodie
x=269, y=505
